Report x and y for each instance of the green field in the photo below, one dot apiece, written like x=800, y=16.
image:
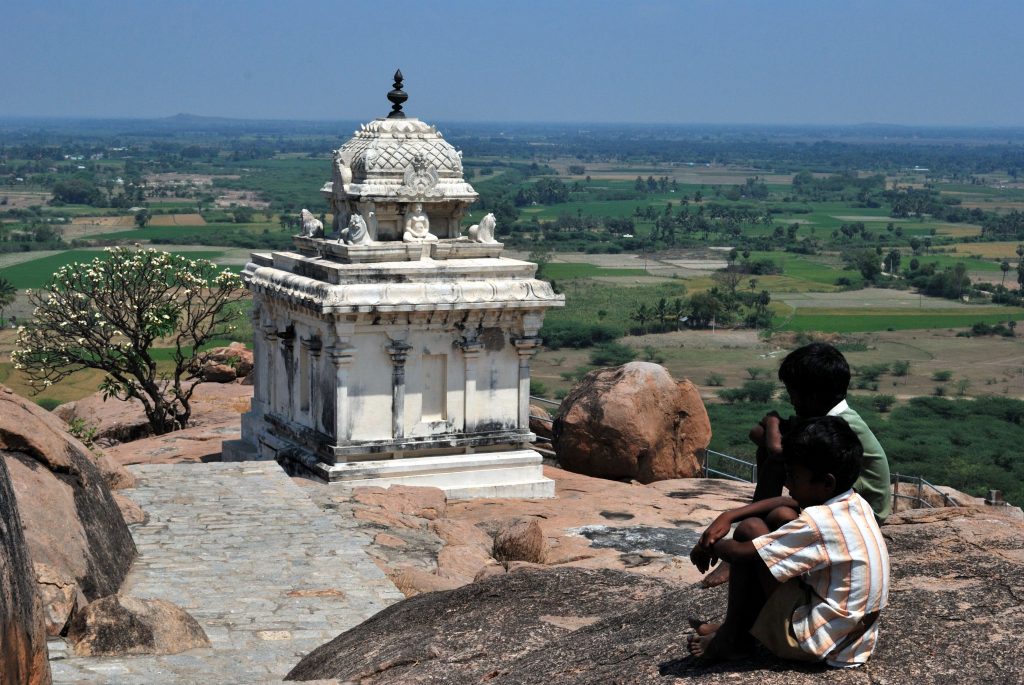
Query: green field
x=198, y=232
x=37, y=273
x=845, y=320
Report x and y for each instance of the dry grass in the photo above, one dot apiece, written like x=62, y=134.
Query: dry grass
x=958, y=230
x=177, y=220
x=1001, y=250
x=18, y=199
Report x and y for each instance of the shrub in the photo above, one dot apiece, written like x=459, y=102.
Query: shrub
x=759, y=391
x=651, y=354
x=883, y=403
x=871, y=372
x=612, y=354
x=86, y=432
x=732, y=395
x=756, y=372
x=537, y=388
x=942, y=376
x=901, y=368
x=715, y=380
x=576, y=335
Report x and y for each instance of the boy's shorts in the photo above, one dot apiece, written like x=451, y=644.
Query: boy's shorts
x=774, y=625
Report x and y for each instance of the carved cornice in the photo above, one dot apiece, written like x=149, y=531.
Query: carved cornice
x=496, y=293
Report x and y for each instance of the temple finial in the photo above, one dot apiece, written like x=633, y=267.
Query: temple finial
x=397, y=97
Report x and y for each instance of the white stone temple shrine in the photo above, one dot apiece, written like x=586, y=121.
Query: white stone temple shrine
x=396, y=349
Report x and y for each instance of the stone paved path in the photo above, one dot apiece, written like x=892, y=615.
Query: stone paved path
x=268, y=574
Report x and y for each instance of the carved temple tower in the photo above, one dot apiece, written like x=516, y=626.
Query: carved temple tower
x=396, y=349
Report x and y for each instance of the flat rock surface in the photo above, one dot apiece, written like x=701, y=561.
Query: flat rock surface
x=954, y=617
x=243, y=550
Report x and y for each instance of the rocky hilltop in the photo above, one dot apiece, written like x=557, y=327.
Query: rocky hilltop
x=955, y=616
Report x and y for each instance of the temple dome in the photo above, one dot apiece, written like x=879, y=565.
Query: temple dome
x=387, y=147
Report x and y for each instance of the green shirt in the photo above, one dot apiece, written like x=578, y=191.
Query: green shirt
x=874, y=483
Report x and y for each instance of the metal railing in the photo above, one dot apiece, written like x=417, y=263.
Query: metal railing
x=711, y=472
x=919, y=498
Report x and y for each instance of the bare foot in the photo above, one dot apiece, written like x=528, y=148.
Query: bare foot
x=719, y=576
x=717, y=647
x=699, y=644
x=703, y=628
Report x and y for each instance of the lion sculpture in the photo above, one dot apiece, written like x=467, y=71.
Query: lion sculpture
x=484, y=231
x=311, y=226
x=356, y=233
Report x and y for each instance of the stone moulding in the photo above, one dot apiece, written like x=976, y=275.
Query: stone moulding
x=497, y=293
x=320, y=446
x=505, y=473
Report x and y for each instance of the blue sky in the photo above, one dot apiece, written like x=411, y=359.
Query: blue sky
x=778, y=62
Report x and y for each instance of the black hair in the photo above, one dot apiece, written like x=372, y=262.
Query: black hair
x=819, y=370
x=825, y=445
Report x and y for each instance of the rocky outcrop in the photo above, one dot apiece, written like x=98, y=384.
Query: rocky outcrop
x=114, y=421
x=632, y=422
x=23, y=656
x=593, y=523
x=73, y=527
x=954, y=616
x=117, y=625
x=465, y=635
x=235, y=356
x=214, y=372
x=217, y=408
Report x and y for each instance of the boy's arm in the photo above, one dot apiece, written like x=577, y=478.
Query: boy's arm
x=772, y=425
x=719, y=528
x=737, y=552
x=705, y=553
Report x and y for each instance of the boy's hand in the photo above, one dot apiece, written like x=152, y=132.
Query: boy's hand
x=718, y=529
x=702, y=555
x=702, y=558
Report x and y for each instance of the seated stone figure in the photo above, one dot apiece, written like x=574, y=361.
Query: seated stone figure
x=356, y=233
x=417, y=226
x=311, y=226
x=484, y=231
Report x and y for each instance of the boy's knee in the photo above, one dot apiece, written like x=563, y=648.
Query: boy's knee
x=748, y=529
x=780, y=516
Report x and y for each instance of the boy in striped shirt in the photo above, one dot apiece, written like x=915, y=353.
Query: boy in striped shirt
x=812, y=589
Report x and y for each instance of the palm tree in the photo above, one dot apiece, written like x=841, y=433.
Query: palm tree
x=642, y=315
x=7, y=294
x=678, y=310
x=661, y=313
x=1004, y=267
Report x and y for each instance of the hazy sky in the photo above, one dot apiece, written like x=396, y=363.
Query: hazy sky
x=777, y=61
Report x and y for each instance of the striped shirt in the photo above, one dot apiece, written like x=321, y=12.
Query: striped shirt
x=836, y=549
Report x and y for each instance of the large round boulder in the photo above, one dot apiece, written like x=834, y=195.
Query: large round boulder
x=78, y=541
x=632, y=422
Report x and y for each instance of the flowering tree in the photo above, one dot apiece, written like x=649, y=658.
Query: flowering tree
x=107, y=314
